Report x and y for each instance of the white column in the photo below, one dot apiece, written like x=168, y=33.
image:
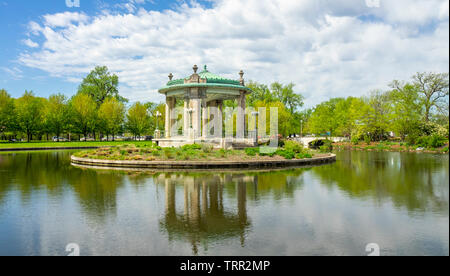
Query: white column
x=219, y=121
x=186, y=118
x=204, y=119
x=196, y=117
x=240, y=118
x=168, y=117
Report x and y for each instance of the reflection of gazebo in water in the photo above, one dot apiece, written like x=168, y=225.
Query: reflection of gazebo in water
x=203, y=217
x=202, y=117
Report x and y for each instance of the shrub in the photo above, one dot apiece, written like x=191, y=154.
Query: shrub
x=355, y=140
x=367, y=139
x=222, y=153
x=303, y=156
x=436, y=141
x=294, y=146
x=267, y=151
x=326, y=147
x=433, y=141
x=207, y=148
x=251, y=151
x=191, y=147
x=286, y=154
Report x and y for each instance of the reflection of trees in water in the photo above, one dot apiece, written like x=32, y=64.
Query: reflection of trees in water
x=415, y=181
x=25, y=173
x=97, y=190
x=52, y=172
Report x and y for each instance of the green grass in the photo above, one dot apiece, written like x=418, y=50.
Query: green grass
x=69, y=144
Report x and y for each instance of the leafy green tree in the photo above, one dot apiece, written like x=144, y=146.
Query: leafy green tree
x=377, y=117
x=323, y=118
x=111, y=115
x=30, y=110
x=138, y=120
x=7, y=112
x=261, y=93
x=286, y=95
x=100, y=84
x=56, y=114
x=434, y=90
x=83, y=113
x=349, y=113
x=406, y=108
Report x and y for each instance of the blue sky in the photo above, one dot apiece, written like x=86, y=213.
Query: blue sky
x=328, y=48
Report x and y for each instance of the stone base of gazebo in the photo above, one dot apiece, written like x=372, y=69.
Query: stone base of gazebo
x=217, y=143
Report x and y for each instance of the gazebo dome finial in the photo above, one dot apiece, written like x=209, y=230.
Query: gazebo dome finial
x=205, y=67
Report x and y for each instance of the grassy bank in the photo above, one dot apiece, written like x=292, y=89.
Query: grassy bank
x=389, y=146
x=37, y=144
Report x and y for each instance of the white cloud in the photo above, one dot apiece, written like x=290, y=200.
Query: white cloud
x=329, y=48
x=30, y=43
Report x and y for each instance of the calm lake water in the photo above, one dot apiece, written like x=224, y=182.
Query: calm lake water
x=399, y=201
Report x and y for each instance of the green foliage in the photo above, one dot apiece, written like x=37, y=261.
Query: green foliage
x=100, y=84
x=433, y=141
x=355, y=140
x=30, y=112
x=326, y=147
x=57, y=114
x=138, y=120
x=367, y=139
x=252, y=151
x=303, y=156
x=207, y=148
x=287, y=154
x=191, y=147
x=7, y=112
x=294, y=146
x=83, y=113
x=111, y=115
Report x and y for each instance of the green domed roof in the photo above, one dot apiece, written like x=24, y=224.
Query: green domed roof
x=210, y=78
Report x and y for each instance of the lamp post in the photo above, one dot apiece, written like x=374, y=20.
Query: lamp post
x=190, y=111
x=301, y=128
x=157, y=132
x=158, y=114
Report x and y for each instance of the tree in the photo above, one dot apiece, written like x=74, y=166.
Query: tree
x=377, y=116
x=286, y=95
x=7, y=111
x=83, y=113
x=138, y=120
x=349, y=114
x=323, y=118
x=111, y=115
x=100, y=84
x=29, y=114
x=57, y=114
x=434, y=89
x=261, y=93
x=406, y=108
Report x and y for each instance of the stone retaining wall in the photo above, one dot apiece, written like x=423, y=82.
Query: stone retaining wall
x=203, y=164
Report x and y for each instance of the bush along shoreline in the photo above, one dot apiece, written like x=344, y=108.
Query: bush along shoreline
x=429, y=145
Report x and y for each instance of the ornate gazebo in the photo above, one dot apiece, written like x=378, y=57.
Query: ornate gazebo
x=200, y=118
